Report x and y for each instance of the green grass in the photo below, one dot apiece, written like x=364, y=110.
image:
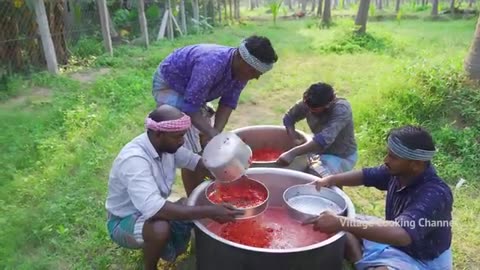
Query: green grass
x=57, y=150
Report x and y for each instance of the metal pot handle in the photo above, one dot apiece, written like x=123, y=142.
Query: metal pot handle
x=316, y=167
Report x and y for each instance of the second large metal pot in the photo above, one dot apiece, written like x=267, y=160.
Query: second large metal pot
x=273, y=137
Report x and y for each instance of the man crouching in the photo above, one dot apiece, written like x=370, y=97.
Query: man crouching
x=140, y=181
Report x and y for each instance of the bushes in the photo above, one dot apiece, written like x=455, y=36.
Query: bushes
x=351, y=42
x=438, y=98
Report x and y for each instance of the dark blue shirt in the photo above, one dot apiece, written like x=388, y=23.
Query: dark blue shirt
x=423, y=209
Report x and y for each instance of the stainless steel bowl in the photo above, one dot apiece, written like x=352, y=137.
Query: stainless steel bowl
x=250, y=212
x=305, y=202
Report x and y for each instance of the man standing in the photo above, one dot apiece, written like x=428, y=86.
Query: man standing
x=193, y=75
x=330, y=120
x=416, y=233
x=141, y=179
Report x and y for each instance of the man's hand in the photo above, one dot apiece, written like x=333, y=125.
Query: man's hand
x=224, y=213
x=327, y=222
x=295, y=136
x=212, y=133
x=324, y=182
x=299, y=141
x=286, y=158
x=181, y=201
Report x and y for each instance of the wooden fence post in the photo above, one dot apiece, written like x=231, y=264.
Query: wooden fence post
x=47, y=42
x=143, y=21
x=183, y=16
x=107, y=40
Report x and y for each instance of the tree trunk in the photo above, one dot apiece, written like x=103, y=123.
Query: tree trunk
x=304, y=5
x=335, y=4
x=290, y=7
x=47, y=42
x=314, y=2
x=219, y=9
x=327, y=12
x=435, y=8
x=204, y=7
x=183, y=16
x=210, y=7
x=470, y=3
x=452, y=7
x=236, y=6
x=379, y=5
x=143, y=21
x=196, y=10
x=225, y=13
x=69, y=21
x=170, y=32
x=320, y=8
x=472, y=62
x=397, y=6
x=57, y=26
x=230, y=8
x=362, y=16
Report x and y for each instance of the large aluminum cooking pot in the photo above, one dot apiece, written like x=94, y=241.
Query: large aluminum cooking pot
x=215, y=253
x=273, y=137
x=227, y=157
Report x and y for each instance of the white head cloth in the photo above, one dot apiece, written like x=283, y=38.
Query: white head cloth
x=252, y=60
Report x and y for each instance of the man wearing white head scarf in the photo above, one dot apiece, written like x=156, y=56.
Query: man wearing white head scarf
x=191, y=76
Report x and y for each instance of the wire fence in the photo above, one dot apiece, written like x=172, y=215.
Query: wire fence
x=76, y=30
x=20, y=47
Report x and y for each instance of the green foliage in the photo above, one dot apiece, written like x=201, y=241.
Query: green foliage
x=430, y=89
x=121, y=17
x=201, y=25
x=371, y=10
x=399, y=15
x=153, y=13
x=351, y=42
x=86, y=47
x=275, y=9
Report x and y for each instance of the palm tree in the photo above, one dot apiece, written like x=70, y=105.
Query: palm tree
x=362, y=16
x=327, y=12
x=472, y=61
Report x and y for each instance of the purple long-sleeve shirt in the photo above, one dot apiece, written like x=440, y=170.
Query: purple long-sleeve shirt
x=423, y=209
x=201, y=73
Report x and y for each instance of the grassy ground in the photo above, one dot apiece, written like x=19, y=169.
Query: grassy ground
x=60, y=134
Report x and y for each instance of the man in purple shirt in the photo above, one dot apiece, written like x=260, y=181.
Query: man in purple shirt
x=416, y=233
x=191, y=76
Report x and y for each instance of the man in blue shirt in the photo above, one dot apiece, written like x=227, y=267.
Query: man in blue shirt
x=416, y=233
